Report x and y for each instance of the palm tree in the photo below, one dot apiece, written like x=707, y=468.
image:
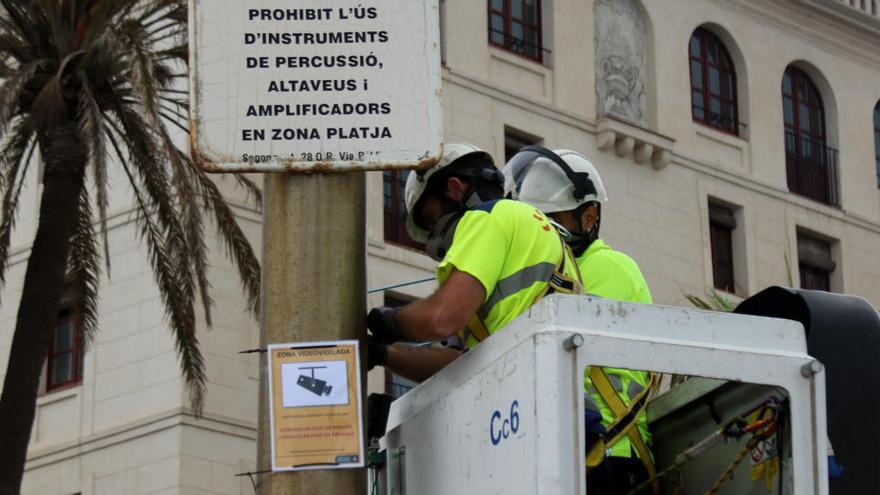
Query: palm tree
x=89, y=84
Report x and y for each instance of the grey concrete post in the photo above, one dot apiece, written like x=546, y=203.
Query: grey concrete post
x=314, y=270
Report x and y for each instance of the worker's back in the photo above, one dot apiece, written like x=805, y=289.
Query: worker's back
x=512, y=249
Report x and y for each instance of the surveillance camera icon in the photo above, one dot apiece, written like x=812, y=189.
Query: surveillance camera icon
x=312, y=384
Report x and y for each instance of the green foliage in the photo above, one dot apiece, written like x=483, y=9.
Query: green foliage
x=715, y=301
x=789, y=275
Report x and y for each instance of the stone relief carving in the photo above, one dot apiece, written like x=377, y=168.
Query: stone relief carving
x=621, y=60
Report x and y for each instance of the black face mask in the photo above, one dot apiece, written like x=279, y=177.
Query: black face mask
x=441, y=236
x=580, y=241
x=440, y=239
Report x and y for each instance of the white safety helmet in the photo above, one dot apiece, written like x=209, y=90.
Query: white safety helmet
x=552, y=181
x=417, y=183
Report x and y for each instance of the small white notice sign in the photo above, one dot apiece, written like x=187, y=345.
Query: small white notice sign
x=314, y=384
x=304, y=85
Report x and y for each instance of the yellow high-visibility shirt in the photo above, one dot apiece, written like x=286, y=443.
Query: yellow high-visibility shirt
x=512, y=249
x=614, y=275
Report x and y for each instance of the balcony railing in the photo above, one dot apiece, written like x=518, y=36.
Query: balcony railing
x=717, y=120
x=870, y=7
x=518, y=45
x=811, y=168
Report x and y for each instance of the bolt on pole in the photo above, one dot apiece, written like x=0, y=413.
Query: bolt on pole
x=314, y=280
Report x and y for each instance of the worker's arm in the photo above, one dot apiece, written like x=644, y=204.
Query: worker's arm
x=418, y=363
x=443, y=313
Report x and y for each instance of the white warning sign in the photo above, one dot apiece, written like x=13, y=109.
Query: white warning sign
x=303, y=85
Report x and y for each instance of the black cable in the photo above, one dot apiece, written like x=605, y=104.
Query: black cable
x=375, y=489
x=252, y=475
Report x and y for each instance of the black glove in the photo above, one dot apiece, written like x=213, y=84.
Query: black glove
x=382, y=324
x=377, y=354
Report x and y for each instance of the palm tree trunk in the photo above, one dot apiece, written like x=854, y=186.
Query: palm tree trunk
x=65, y=158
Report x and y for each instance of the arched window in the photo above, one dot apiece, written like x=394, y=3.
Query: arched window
x=811, y=166
x=877, y=141
x=713, y=83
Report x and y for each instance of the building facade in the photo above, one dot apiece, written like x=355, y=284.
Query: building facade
x=739, y=141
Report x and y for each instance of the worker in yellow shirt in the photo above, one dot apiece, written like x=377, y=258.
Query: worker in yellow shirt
x=497, y=257
x=566, y=186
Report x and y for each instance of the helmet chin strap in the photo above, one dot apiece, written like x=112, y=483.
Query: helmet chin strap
x=476, y=193
x=481, y=191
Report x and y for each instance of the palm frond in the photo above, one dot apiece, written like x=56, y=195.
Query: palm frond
x=13, y=46
x=16, y=158
x=174, y=120
x=57, y=28
x=698, y=302
x=22, y=21
x=191, y=216
x=164, y=28
x=148, y=160
x=715, y=302
x=142, y=66
x=10, y=93
x=720, y=302
x=91, y=129
x=50, y=107
x=177, y=109
x=182, y=174
x=172, y=293
x=254, y=193
x=160, y=10
x=195, y=234
x=6, y=69
x=234, y=239
x=86, y=268
x=91, y=20
x=789, y=274
x=180, y=52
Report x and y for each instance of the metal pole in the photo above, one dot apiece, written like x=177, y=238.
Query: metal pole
x=314, y=279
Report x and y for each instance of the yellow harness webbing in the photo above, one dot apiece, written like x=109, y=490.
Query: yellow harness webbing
x=624, y=423
x=477, y=329
x=559, y=282
x=625, y=416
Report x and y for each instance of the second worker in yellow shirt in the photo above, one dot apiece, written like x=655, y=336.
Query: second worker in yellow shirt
x=566, y=186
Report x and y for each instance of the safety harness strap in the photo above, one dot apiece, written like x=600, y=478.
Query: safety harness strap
x=559, y=282
x=624, y=423
x=477, y=329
